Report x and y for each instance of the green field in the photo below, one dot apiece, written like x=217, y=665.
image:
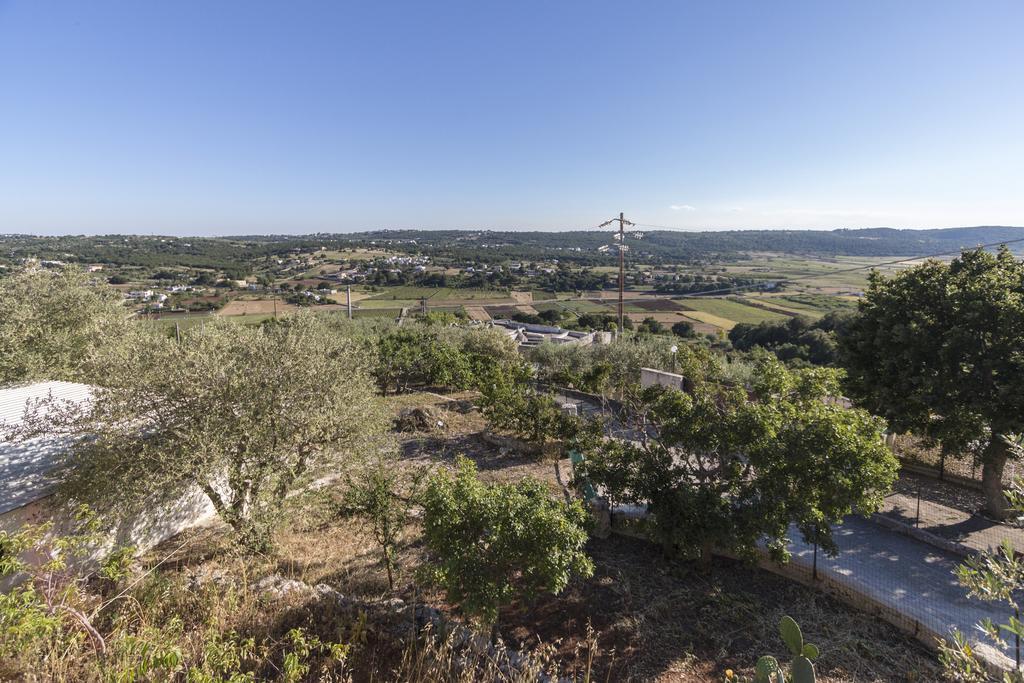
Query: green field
x=412, y=292
x=813, y=273
x=731, y=310
x=576, y=307
x=817, y=302
x=776, y=303
x=377, y=313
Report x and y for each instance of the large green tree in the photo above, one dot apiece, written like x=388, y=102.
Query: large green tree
x=727, y=467
x=53, y=321
x=938, y=349
x=244, y=414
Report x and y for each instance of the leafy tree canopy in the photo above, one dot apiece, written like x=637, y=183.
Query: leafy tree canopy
x=726, y=467
x=938, y=349
x=52, y=322
x=243, y=414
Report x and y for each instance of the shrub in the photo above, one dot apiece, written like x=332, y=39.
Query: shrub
x=491, y=543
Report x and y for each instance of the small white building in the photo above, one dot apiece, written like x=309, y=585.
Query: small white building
x=650, y=377
x=528, y=335
x=30, y=470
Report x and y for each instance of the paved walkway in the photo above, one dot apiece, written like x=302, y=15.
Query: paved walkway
x=949, y=512
x=906, y=575
x=902, y=573
x=972, y=531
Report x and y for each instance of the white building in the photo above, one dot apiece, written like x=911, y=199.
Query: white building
x=528, y=335
x=31, y=468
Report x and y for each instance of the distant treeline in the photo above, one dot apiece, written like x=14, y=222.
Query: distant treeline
x=685, y=247
x=579, y=247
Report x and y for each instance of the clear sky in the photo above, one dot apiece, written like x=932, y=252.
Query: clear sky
x=219, y=117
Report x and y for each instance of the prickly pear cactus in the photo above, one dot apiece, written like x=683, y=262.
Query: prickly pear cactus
x=768, y=669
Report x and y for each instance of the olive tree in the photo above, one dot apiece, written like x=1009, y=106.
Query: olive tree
x=727, y=467
x=936, y=349
x=51, y=322
x=993, y=575
x=615, y=367
x=416, y=356
x=491, y=543
x=243, y=414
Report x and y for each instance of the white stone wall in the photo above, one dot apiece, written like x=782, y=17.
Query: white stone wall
x=650, y=377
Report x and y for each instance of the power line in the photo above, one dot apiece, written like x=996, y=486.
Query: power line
x=852, y=270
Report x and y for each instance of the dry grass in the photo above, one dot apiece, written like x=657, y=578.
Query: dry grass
x=656, y=619
x=653, y=619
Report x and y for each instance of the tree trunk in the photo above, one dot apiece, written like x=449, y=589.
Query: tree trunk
x=706, y=554
x=494, y=632
x=388, y=563
x=992, y=477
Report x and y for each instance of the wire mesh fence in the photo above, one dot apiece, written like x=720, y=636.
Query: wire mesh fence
x=900, y=563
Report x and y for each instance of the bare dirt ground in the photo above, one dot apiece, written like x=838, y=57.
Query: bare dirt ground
x=527, y=309
x=266, y=307
x=654, y=618
x=255, y=307
x=522, y=297
x=477, y=313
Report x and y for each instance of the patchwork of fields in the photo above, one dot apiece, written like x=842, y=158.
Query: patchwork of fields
x=812, y=288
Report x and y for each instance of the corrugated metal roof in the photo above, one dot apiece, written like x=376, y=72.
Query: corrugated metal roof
x=27, y=467
x=13, y=400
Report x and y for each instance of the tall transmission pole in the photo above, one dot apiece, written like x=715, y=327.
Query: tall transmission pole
x=621, y=238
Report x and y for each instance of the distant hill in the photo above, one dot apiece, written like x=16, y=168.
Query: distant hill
x=659, y=246
x=692, y=246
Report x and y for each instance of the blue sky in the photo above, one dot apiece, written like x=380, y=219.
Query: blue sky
x=220, y=117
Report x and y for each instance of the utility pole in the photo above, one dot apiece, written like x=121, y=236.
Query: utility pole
x=348, y=300
x=622, y=266
x=622, y=263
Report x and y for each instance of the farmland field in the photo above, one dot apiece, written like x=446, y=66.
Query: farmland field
x=779, y=305
x=818, y=302
x=377, y=313
x=499, y=312
x=388, y=302
x=709, y=319
x=576, y=307
x=731, y=310
x=411, y=292
x=256, y=307
x=657, y=305
x=814, y=274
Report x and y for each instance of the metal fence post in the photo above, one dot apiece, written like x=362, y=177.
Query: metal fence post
x=917, y=519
